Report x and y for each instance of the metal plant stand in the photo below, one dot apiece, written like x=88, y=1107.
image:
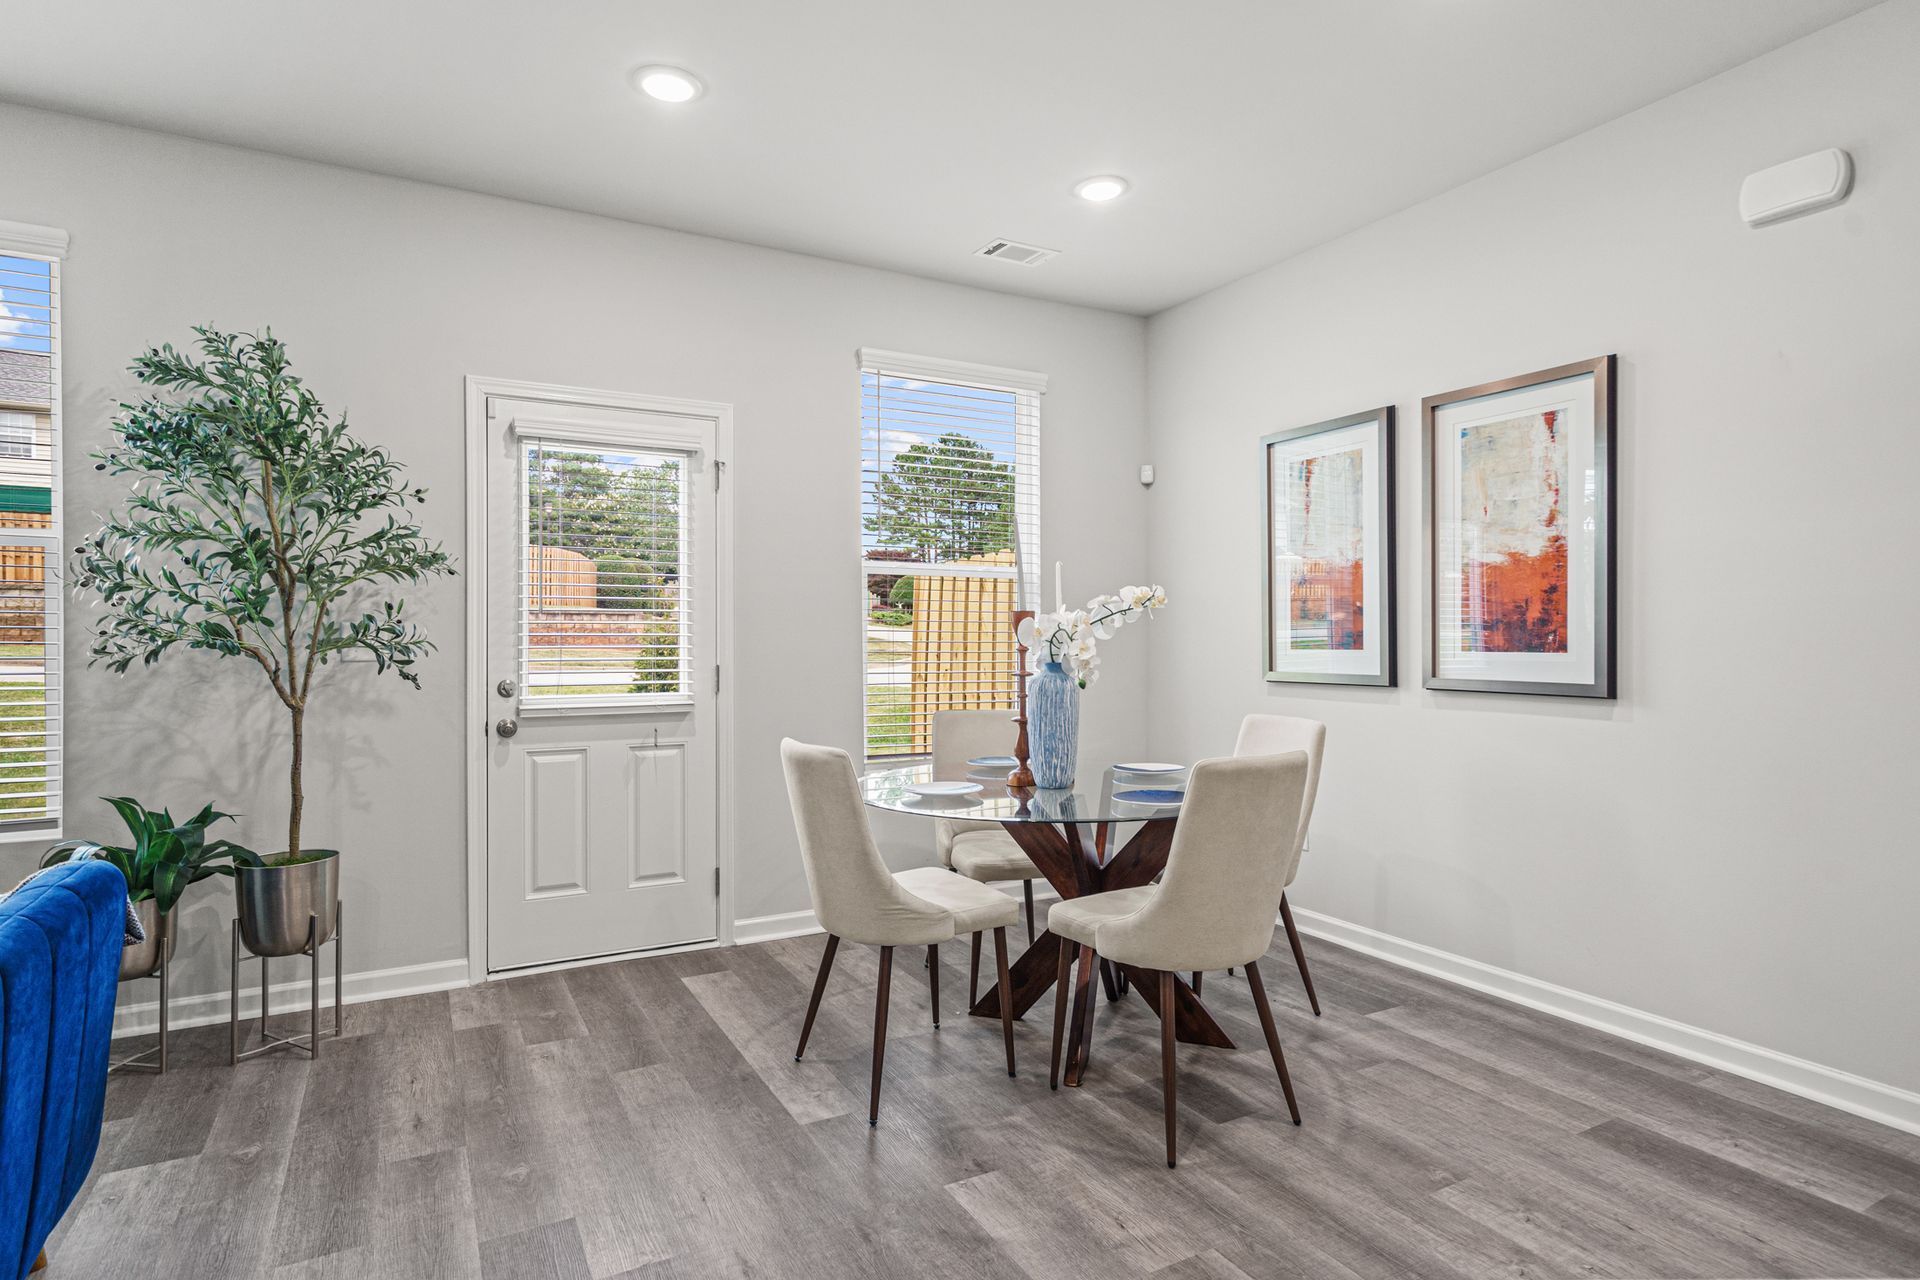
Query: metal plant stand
x=154, y=1061
x=308, y=1044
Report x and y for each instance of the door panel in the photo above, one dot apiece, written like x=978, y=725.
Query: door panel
x=556, y=831
x=657, y=814
x=602, y=767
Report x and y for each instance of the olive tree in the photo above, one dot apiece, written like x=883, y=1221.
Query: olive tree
x=256, y=528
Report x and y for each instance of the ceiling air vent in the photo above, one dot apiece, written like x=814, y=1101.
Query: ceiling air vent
x=1027, y=255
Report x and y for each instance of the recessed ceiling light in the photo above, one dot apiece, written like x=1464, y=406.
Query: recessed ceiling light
x=1101, y=189
x=668, y=84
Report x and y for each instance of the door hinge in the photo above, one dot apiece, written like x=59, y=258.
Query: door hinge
x=716, y=882
x=718, y=467
x=716, y=677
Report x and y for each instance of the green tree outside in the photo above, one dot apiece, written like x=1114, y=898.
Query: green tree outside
x=944, y=499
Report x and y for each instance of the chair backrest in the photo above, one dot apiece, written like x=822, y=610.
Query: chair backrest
x=1226, y=869
x=960, y=736
x=854, y=895
x=1262, y=735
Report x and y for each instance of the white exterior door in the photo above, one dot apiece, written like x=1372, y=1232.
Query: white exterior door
x=601, y=673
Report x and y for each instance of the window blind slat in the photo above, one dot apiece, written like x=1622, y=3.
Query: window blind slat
x=604, y=585
x=949, y=511
x=30, y=602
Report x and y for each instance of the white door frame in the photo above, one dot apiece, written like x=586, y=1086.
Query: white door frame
x=478, y=709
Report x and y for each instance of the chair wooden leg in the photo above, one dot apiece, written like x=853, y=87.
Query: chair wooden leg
x=880, y=1031
x=1197, y=976
x=1299, y=954
x=1006, y=985
x=1060, y=1009
x=933, y=981
x=973, y=974
x=40, y=1263
x=1026, y=887
x=1084, y=1007
x=1273, y=1037
x=819, y=988
x=1167, y=1021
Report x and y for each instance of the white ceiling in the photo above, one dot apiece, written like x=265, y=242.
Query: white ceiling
x=907, y=133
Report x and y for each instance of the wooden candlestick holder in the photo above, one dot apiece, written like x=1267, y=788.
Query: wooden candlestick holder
x=1022, y=776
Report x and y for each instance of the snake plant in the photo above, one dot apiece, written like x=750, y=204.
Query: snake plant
x=165, y=857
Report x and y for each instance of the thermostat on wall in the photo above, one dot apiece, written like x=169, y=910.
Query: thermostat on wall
x=1796, y=187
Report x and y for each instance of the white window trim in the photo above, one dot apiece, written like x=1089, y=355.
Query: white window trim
x=29, y=240
x=935, y=369
x=32, y=241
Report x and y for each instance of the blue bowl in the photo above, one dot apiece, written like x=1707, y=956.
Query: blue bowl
x=1150, y=797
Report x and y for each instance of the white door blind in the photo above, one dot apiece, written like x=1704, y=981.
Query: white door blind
x=30, y=601
x=604, y=580
x=950, y=523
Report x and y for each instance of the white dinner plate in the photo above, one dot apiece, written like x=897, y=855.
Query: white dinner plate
x=943, y=788
x=1150, y=766
x=993, y=762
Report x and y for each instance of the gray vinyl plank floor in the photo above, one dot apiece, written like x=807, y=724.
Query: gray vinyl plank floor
x=646, y=1120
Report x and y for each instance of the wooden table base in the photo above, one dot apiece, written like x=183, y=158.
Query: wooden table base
x=1073, y=858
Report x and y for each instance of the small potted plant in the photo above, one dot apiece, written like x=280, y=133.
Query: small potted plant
x=257, y=529
x=165, y=857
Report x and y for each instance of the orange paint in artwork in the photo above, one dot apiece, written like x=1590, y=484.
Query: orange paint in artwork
x=1329, y=596
x=1522, y=603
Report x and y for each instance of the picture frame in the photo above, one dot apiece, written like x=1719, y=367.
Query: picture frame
x=1519, y=494
x=1329, y=582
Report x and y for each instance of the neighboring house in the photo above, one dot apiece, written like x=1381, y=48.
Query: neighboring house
x=26, y=489
x=26, y=439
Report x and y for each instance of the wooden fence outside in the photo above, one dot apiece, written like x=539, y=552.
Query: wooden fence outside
x=963, y=651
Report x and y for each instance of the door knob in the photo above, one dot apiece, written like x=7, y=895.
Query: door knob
x=506, y=688
x=507, y=727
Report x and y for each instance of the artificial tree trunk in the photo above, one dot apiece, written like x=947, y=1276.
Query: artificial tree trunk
x=299, y=714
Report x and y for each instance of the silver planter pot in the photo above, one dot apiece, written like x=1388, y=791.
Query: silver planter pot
x=142, y=959
x=278, y=904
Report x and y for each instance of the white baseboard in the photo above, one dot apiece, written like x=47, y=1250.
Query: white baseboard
x=1885, y=1103
x=201, y=1010
x=791, y=924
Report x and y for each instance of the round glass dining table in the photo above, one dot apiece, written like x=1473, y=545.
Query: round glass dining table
x=1074, y=836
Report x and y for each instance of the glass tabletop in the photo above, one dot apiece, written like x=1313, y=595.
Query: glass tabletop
x=1103, y=791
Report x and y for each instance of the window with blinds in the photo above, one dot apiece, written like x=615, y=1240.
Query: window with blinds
x=30, y=600
x=604, y=587
x=950, y=529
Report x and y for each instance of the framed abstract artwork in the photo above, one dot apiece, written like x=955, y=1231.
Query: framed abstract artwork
x=1520, y=543
x=1329, y=529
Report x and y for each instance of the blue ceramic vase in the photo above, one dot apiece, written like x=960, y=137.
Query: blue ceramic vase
x=1053, y=725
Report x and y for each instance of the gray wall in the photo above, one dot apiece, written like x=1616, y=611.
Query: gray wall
x=1731, y=843
x=388, y=293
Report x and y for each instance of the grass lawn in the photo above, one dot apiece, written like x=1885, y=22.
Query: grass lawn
x=22, y=760
x=889, y=721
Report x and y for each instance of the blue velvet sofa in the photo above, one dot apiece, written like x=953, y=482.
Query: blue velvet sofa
x=60, y=939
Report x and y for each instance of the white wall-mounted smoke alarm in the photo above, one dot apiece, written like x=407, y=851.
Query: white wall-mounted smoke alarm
x=1796, y=187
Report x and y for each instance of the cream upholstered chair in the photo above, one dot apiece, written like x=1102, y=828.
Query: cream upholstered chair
x=1213, y=909
x=980, y=851
x=1264, y=735
x=855, y=897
